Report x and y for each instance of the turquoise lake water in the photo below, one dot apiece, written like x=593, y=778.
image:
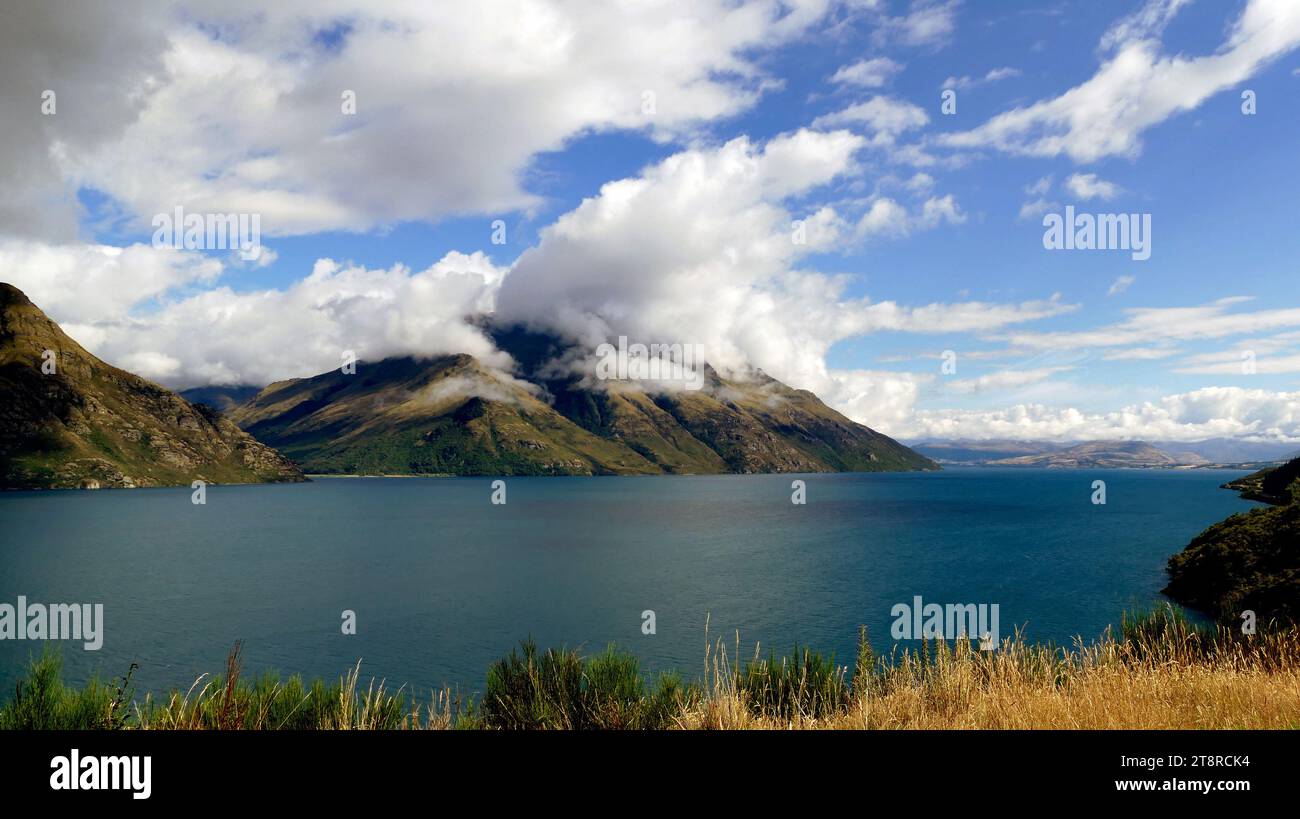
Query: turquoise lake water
x=443, y=582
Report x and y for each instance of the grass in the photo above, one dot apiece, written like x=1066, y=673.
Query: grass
x=229, y=702
x=561, y=689
x=42, y=701
x=1159, y=671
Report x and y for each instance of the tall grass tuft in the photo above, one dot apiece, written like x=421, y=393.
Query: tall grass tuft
x=270, y=703
x=560, y=689
x=805, y=684
x=42, y=702
x=1166, y=633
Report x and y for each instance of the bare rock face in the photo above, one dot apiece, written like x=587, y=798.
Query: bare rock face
x=68, y=420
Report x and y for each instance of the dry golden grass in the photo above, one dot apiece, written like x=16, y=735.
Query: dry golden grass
x=1156, y=698
x=1175, y=678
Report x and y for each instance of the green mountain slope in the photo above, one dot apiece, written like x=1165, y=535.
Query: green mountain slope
x=452, y=415
x=88, y=424
x=729, y=426
x=446, y=415
x=755, y=425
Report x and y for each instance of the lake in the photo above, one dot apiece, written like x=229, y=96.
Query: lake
x=442, y=581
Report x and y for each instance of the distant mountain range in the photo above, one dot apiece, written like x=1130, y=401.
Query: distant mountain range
x=1105, y=454
x=87, y=424
x=220, y=398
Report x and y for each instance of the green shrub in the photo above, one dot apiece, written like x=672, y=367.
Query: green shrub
x=807, y=684
x=42, y=702
x=559, y=688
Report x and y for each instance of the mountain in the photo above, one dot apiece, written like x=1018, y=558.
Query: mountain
x=90, y=425
x=425, y=416
x=964, y=451
x=1233, y=451
x=452, y=415
x=1086, y=454
x=1103, y=455
x=220, y=398
x=1210, y=452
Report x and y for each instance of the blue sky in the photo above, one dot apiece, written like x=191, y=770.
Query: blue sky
x=929, y=239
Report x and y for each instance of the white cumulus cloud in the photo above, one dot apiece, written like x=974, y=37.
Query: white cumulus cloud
x=1138, y=86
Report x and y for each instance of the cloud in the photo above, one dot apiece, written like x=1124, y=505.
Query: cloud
x=81, y=283
x=880, y=399
x=64, y=48
x=1147, y=325
x=236, y=107
x=1040, y=204
x=1138, y=87
x=927, y=23
x=1090, y=186
x=994, y=75
x=920, y=183
x=219, y=336
x=1211, y=412
x=1036, y=207
x=888, y=401
x=1234, y=363
x=1278, y=354
x=1145, y=23
x=883, y=115
x=1041, y=187
x=1002, y=380
x=886, y=217
x=1120, y=285
x=957, y=317
x=490, y=386
x=697, y=249
x=940, y=209
x=872, y=73
x=1139, y=354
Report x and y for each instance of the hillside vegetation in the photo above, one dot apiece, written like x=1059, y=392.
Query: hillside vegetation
x=453, y=415
x=88, y=424
x=1251, y=561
